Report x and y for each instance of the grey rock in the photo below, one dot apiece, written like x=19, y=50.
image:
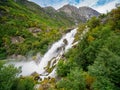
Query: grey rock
x=82, y=13
x=17, y=39
x=88, y=12
x=65, y=41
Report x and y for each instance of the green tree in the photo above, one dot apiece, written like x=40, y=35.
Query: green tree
x=62, y=68
x=74, y=81
x=7, y=76
x=24, y=83
x=93, y=22
x=106, y=69
x=103, y=83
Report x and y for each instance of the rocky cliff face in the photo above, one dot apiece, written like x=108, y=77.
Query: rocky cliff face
x=82, y=13
x=88, y=12
x=69, y=9
x=49, y=9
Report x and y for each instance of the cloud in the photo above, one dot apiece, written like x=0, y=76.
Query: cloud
x=106, y=7
x=100, y=5
x=89, y=3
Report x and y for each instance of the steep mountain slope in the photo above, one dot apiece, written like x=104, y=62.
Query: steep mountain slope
x=88, y=12
x=25, y=27
x=79, y=14
x=44, y=13
x=72, y=12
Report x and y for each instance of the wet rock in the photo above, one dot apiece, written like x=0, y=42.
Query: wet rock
x=74, y=46
x=36, y=78
x=63, y=55
x=65, y=41
x=54, y=62
x=68, y=30
x=58, y=49
x=40, y=79
x=49, y=77
x=34, y=74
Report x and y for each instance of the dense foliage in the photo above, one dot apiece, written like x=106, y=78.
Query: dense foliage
x=9, y=79
x=98, y=54
x=7, y=76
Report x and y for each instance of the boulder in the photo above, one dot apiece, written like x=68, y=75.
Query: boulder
x=17, y=39
x=58, y=49
x=65, y=41
x=34, y=30
x=34, y=74
x=36, y=78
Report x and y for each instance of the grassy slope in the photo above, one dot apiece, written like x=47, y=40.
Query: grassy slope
x=15, y=20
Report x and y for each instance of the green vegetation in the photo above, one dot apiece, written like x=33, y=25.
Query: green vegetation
x=23, y=83
x=93, y=64
x=25, y=27
x=9, y=79
x=74, y=81
x=7, y=76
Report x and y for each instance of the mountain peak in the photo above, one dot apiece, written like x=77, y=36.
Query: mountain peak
x=88, y=12
x=85, y=7
x=83, y=13
x=49, y=8
x=68, y=9
x=68, y=6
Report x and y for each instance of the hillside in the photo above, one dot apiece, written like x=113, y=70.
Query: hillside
x=92, y=62
x=25, y=27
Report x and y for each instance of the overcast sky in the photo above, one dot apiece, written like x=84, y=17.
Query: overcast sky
x=101, y=6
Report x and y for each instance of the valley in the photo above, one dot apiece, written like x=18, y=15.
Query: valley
x=70, y=48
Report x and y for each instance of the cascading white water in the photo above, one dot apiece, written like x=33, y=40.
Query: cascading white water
x=55, y=52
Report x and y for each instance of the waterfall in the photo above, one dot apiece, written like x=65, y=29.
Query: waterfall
x=50, y=59
x=57, y=49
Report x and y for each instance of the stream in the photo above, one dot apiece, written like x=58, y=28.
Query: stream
x=49, y=60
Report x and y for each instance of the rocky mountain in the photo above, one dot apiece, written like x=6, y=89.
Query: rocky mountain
x=88, y=12
x=82, y=13
x=49, y=9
